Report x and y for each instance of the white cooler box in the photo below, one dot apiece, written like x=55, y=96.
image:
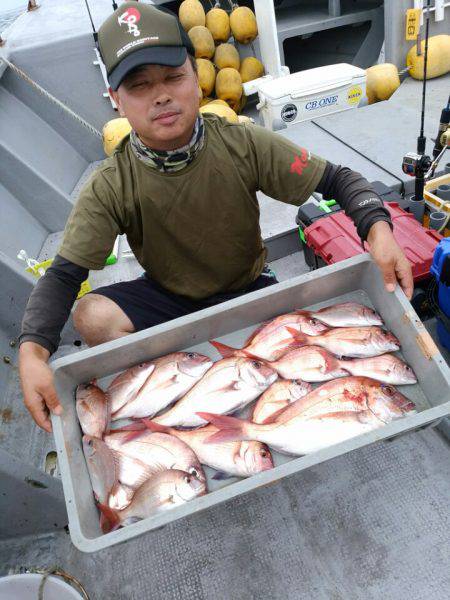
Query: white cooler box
x=310, y=94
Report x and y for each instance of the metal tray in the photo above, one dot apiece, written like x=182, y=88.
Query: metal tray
x=355, y=279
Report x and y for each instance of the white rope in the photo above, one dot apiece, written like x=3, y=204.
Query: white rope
x=58, y=103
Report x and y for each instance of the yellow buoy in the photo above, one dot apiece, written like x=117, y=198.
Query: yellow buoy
x=202, y=41
x=206, y=75
x=191, y=13
x=226, y=55
x=206, y=100
x=251, y=68
x=218, y=22
x=243, y=25
x=438, y=58
x=221, y=111
x=113, y=133
x=382, y=81
x=229, y=85
x=218, y=101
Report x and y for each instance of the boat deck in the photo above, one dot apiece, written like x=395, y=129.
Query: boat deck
x=369, y=525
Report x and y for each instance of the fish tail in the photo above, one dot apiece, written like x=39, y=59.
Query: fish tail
x=230, y=428
x=109, y=519
x=149, y=424
x=223, y=349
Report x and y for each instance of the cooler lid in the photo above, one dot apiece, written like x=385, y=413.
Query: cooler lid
x=309, y=81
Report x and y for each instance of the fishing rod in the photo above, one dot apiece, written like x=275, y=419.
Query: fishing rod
x=418, y=164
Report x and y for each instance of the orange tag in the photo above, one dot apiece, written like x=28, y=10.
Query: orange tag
x=412, y=23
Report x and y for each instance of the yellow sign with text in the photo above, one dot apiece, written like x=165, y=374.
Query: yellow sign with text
x=412, y=23
x=354, y=95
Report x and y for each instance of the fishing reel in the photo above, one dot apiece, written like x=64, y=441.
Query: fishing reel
x=415, y=164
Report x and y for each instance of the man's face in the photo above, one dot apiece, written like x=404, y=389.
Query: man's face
x=161, y=104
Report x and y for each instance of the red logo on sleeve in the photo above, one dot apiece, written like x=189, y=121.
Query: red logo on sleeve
x=300, y=162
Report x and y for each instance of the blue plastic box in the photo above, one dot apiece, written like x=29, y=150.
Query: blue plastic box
x=441, y=263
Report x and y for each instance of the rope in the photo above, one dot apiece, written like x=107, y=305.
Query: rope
x=60, y=573
x=49, y=96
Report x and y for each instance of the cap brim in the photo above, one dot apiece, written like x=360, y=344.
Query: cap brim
x=169, y=56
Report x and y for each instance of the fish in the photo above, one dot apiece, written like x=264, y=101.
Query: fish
x=230, y=384
x=156, y=451
x=171, y=378
x=334, y=412
x=387, y=368
x=355, y=342
x=163, y=491
x=277, y=396
x=102, y=467
x=309, y=363
x=346, y=314
x=92, y=409
x=315, y=364
x=273, y=338
x=126, y=385
x=233, y=459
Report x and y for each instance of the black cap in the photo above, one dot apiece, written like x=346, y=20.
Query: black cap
x=140, y=34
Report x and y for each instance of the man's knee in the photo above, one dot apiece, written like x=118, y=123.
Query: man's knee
x=89, y=312
x=99, y=319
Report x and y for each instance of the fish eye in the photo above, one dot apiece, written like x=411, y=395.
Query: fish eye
x=263, y=452
x=193, y=471
x=191, y=354
x=256, y=364
x=91, y=443
x=187, y=479
x=388, y=390
x=297, y=381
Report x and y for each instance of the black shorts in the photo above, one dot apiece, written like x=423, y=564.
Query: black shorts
x=146, y=303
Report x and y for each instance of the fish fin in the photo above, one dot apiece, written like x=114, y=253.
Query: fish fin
x=133, y=435
x=273, y=417
x=224, y=350
x=228, y=351
x=300, y=338
x=109, y=519
x=149, y=424
x=255, y=333
x=230, y=427
x=221, y=475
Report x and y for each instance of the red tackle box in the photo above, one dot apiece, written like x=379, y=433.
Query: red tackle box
x=334, y=238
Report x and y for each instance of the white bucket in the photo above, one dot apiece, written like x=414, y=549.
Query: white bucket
x=26, y=587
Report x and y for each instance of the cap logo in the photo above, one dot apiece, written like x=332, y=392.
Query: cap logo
x=130, y=17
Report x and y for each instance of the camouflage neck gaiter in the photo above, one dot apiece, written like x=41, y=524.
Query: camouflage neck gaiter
x=171, y=160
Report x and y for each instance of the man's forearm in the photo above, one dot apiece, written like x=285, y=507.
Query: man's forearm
x=50, y=304
x=356, y=196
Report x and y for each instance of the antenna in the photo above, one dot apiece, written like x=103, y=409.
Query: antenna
x=94, y=32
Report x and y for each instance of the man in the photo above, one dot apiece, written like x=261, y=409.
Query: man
x=183, y=190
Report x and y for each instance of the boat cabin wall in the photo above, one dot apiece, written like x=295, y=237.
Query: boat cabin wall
x=65, y=69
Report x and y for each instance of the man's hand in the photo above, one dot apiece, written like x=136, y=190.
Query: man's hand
x=390, y=258
x=36, y=377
